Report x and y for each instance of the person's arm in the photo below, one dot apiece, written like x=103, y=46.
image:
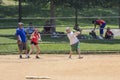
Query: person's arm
x=77, y=33
x=27, y=31
x=112, y=33
x=94, y=26
x=40, y=38
x=18, y=37
x=100, y=24
x=32, y=35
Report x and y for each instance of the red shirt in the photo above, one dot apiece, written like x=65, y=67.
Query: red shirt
x=35, y=37
x=109, y=33
x=99, y=22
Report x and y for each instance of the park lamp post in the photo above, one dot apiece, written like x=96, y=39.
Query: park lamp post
x=119, y=13
x=20, y=10
x=76, y=16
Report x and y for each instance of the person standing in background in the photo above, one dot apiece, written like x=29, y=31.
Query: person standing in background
x=101, y=24
x=21, y=39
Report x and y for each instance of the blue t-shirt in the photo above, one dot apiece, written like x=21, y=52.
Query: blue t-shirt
x=21, y=33
x=30, y=30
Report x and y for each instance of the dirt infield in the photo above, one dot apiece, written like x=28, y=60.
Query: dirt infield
x=59, y=67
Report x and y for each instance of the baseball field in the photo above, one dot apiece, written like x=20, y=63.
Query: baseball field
x=59, y=67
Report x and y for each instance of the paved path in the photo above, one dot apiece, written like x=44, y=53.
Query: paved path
x=115, y=31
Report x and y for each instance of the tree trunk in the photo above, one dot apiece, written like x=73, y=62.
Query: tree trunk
x=20, y=11
x=76, y=16
x=52, y=20
x=119, y=14
x=0, y=1
x=76, y=26
x=119, y=20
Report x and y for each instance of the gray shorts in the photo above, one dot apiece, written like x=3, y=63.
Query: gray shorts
x=22, y=46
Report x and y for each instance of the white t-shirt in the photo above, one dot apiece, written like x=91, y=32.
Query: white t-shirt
x=73, y=39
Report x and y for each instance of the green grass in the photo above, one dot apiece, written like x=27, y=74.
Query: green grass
x=61, y=45
x=9, y=2
x=58, y=45
x=100, y=45
x=11, y=31
x=64, y=48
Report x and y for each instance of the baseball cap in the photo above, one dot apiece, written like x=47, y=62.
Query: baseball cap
x=67, y=28
x=20, y=23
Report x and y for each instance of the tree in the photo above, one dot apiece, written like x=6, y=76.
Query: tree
x=52, y=20
x=80, y=4
x=52, y=9
x=20, y=11
x=77, y=5
x=1, y=1
x=118, y=4
x=115, y=4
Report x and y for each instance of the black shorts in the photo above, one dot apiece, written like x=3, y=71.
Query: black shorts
x=34, y=43
x=22, y=46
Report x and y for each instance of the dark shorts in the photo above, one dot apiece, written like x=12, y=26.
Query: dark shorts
x=102, y=28
x=75, y=46
x=22, y=46
x=34, y=43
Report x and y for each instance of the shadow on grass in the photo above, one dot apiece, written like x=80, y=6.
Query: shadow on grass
x=9, y=36
x=44, y=38
x=114, y=41
x=64, y=39
x=53, y=39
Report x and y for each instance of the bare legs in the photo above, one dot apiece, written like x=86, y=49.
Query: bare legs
x=78, y=52
x=70, y=54
x=32, y=48
x=38, y=50
x=22, y=46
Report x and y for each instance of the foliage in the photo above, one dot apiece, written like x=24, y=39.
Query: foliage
x=0, y=1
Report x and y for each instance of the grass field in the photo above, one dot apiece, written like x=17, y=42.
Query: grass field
x=57, y=45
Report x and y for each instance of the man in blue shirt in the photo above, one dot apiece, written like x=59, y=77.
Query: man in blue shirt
x=30, y=28
x=21, y=38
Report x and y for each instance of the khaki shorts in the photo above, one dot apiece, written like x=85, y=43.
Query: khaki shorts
x=75, y=46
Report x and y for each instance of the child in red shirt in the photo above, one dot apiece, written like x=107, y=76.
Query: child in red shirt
x=109, y=34
x=35, y=37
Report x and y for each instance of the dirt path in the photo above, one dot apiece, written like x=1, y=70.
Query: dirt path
x=59, y=67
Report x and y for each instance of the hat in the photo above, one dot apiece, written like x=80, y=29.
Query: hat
x=20, y=23
x=67, y=28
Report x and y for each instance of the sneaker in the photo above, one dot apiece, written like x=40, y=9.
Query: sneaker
x=80, y=57
x=27, y=57
x=20, y=56
x=37, y=57
x=70, y=57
